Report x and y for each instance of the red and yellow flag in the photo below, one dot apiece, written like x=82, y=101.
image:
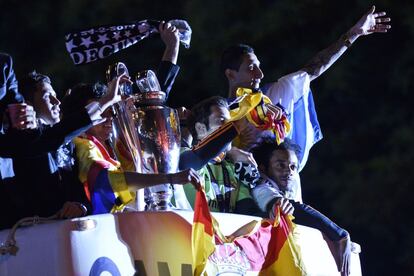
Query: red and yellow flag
x=269, y=247
x=202, y=234
x=272, y=249
x=253, y=106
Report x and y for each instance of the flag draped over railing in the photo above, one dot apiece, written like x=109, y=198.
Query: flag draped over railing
x=264, y=247
x=97, y=43
x=202, y=234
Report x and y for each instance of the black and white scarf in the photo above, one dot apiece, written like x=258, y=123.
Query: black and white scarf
x=97, y=43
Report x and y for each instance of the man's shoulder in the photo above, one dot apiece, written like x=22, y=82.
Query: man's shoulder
x=5, y=58
x=81, y=142
x=288, y=77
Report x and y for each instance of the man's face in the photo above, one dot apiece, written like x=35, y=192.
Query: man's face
x=103, y=131
x=46, y=104
x=283, y=169
x=249, y=74
x=218, y=116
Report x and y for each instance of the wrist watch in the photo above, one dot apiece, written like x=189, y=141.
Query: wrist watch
x=346, y=41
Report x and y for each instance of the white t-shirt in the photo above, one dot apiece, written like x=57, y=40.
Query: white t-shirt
x=289, y=89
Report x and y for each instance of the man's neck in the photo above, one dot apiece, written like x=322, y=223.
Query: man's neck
x=286, y=193
x=232, y=91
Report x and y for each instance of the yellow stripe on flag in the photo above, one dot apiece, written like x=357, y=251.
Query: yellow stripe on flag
x=289, y=260
x=202, y=235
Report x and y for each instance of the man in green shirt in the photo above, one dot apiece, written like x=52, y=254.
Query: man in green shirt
x=226, y=182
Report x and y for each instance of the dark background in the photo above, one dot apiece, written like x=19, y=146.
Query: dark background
x=359, y=174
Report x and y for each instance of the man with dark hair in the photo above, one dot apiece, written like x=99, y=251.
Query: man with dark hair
x=38, y=91
x=241, y=67
x=201, y=112
x=108, y=185
x=288, y=186
x=38, y=189
x=44, y=181
x=232, y=58
x=278, y=166
x=38, y=158
x=226, y=183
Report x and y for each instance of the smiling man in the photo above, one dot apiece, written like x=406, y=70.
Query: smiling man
x=241, y=67
x=40, y=93
x=40, y=187
x=45, y=187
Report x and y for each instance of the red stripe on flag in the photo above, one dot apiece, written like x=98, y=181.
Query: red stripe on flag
x=263, y=247
x=202, y=213
x=277, y=240
x=93, y=172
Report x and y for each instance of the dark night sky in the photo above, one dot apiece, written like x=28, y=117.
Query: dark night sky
x=359, y=174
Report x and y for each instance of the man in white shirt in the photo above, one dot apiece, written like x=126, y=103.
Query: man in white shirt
x=278, y=166
x=242, y=69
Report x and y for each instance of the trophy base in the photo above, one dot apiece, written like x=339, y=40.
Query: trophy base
x=160, y=201
x=161, y=207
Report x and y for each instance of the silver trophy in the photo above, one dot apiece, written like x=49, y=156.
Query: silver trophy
x=158, y=132
x=146, y=135
x=124, y=139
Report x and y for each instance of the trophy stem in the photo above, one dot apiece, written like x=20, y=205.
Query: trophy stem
x=160, y=198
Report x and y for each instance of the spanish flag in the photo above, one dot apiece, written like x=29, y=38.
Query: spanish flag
x=103, y=179
x=202, y=234
x=253, y=106
x=269, y=246
x=272, y=249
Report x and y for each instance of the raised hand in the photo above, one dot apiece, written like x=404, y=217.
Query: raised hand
x=113, y=95
x=22, y=116
x=372, y=22
x=170, y=36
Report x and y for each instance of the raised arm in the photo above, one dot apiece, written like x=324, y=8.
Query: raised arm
x=8, y=85
x=168, y=68
x=39, y=141
x=169, y=35
x=371, y=22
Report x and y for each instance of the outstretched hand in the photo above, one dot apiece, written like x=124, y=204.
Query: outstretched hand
x=187, y=176
x=371, y=22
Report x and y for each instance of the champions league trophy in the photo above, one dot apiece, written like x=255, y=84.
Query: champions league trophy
x=158, y=132
x=124, y=139
x=145, y=135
